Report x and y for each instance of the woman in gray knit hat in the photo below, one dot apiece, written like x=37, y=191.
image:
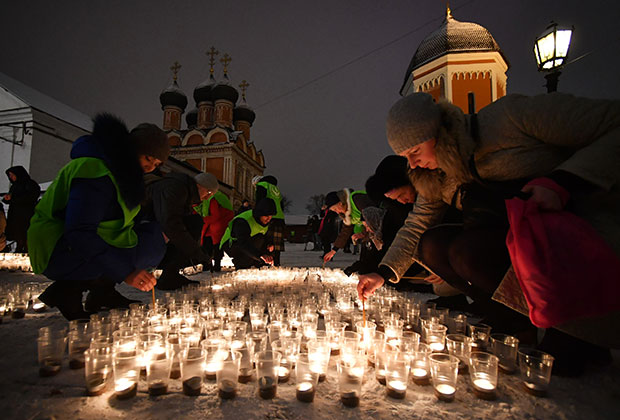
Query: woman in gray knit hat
x=572, y=143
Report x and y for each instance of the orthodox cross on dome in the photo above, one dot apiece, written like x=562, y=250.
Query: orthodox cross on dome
x=212, y=53
x=175, y=70
x=244, y=87
x=448, y=11
x=225, y=60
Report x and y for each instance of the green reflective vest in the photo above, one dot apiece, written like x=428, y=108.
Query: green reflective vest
x=255, y=228
x=203, y=208
x=356, y=214
x=46, y=227
x=273, y=192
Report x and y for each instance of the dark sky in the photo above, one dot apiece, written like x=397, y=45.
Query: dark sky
x=115, y=56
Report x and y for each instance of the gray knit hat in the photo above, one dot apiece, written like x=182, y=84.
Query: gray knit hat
x=412, y=120
x=207, y=180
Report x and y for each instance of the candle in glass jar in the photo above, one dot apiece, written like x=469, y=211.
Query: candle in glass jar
x=396, y=389
x=436, y=346
x=125, y=388
x=283, y=374
x=445, y=392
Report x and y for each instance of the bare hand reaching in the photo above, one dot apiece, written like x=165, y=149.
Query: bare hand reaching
x=141, y=280
x=367, y=285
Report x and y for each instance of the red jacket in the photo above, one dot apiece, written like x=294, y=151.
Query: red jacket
x=216, y=222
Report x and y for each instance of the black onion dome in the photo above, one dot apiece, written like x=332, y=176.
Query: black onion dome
x=191, y=118
x=244, y=113
x=224, y=90
x=203, y=92
x=452, y=36
x=173, y=96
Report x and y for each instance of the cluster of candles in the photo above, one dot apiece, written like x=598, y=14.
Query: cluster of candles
x=276, y=326
x=17, y=298
x=15, y=262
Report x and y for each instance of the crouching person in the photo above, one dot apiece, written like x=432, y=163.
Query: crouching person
x=84, y=234
x=245, y=239
x=171, y=202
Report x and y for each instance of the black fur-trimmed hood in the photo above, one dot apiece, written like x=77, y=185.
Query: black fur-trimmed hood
x=110, y=142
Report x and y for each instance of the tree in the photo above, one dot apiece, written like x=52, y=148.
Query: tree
x=286, y=204
x=314, y=203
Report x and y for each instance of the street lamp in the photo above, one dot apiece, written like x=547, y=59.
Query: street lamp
x=551, y=49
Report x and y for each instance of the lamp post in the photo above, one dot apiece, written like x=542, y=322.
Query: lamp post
x=551, y=49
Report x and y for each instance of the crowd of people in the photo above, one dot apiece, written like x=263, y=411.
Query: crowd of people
x=439, y=207
x=434, y=216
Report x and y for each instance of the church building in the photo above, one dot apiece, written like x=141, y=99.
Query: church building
x=457, y=59
x=217, y=135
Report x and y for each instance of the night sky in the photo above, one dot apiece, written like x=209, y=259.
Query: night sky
x=343, y=61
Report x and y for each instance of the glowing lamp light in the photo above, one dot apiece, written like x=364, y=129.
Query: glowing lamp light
x=551, y=49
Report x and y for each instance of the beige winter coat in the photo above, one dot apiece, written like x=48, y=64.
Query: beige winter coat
x=521, y=137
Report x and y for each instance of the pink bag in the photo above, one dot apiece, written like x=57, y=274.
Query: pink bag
x=565, y=269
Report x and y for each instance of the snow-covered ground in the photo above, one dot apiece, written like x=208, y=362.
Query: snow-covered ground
x=25, y=395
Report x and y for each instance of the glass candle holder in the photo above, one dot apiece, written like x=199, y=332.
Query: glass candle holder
x=274, y=329
x=479, y=334
x=505, y=347
x=335, y=331
x=459, y=345
x=444, y=371
x=79, y=342
x=192, y=369
x=227, y=376
x=483, y=373
x=216, y=351
x=350, y=342
x=158, y=366
x=393, y=328
x=51, y=345
x=256, y=341
x=259, y=322
x=436, y=336
x=267, y=369
x=306, y=379
x=535, y=368
x=319, y=353
x=126, y=374
x=377, y=340
x=288, y=349
x=383, y=353
x=350, y=377
x=367, y=333
x=98, y=369
x=457, y=324
x=397, y=375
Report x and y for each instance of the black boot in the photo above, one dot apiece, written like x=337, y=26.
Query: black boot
x=67, y=297
x=103, y=295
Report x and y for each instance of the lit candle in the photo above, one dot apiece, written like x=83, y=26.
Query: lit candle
x=37, y=307
x=304, y=386
x=283, y=374
x=419, y=372
x=123, y=384
x=484, y=384
x=436, y=346
x=396, y=389
x=445, y=392
x=397, y=385
x=237, y=344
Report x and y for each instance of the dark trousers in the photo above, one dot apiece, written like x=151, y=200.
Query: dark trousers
x=474, y=261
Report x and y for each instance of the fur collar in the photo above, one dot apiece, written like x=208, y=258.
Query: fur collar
x=345, y=197
x=454, y=148
x=112, y=136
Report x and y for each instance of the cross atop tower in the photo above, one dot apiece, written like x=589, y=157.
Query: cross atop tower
x=225, y=60
x=244, y=87
x=448, y=11
x=175, y=70
x=212, y=53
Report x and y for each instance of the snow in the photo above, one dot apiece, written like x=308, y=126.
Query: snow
x=25, y=395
